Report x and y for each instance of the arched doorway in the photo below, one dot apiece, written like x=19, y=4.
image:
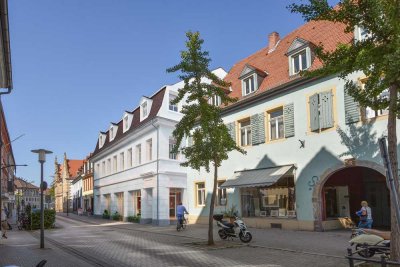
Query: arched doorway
x=340, y=190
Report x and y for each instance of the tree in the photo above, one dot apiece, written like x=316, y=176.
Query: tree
x=201, y=120
x=377, y=56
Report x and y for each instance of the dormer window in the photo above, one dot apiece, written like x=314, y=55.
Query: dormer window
x=144, y=109
x=172, y=107
x=127, y=121
x=102, y=139
x=113, y=131
x=215, y=100
x=299, y=54
x=126, y=125
x=252, y=78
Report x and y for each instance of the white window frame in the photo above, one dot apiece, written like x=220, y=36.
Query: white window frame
x=149, y=149
x=171, y=145
x=126, y=122
x=247, y=132
x=244, y=85
x=130, y=158
x=297, y=55
x=276, y=120
x=172, y=107
x=144, y=108
x=122, y=161
x=138, y=152
x=202, y=200
x=215, y=100
x=223, y=190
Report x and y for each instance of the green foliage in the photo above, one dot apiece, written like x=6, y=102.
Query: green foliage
x=231, y=212
x=134, y=219
x=117, y=217
x=202, y=121
x=49, y=219
x=106, y=214
x=377, y=56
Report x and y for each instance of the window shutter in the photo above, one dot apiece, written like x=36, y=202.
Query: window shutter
x=314, y=112
x=326, y=109
x=231, y=129
x=288, y=119
x=351, y=108
x=257, y=129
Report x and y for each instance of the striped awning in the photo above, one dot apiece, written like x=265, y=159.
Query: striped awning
x=258, y=177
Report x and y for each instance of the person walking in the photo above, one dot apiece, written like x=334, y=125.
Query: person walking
x=365, y=215
x=4, y=224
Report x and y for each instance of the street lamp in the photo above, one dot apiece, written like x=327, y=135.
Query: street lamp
x=42, y=159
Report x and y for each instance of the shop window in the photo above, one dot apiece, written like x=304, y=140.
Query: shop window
x=277, y=200
x=221, y=194
x=245, y=132
x=276, y=127
x=200, y=194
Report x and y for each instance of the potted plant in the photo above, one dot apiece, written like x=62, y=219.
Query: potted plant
x=231, y=213
x=106, y=215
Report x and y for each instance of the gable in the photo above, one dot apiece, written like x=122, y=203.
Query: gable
x=297, y=45
x=246, y=70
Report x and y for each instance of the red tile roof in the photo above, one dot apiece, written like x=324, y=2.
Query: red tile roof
x=276, y=63
x=20, y=184
x=136, y=123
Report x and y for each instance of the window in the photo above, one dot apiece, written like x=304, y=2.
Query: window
x=172, y=107
x=248, y=85
x=122, y=161
x=115, y=164
x=112, y=133
x=372, y=113
x=144, y=109
x=221, y=194
x=149, y=146
x=201, y=194
x=139, y=154
x=126, y=125
x=129, y=157
x=103, y=168
x=215, y=100
x=276, y=124
x=172, y=144
x=98, y=169
x=109, y=166
x=245, y=133
x=299, y=62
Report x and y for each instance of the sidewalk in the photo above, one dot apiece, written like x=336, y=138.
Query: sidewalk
x=22, y=249
x=332, y=243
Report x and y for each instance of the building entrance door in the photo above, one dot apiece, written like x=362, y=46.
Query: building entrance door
x=175, y=197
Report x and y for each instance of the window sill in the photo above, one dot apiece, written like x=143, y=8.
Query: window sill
x=322, y=130
x=276, y=140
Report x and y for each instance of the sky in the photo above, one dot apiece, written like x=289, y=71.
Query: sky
x=78, y=65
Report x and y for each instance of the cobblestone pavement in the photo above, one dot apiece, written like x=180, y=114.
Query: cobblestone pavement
x=88, y=241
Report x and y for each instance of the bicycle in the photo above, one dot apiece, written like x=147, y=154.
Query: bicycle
x=181, y=224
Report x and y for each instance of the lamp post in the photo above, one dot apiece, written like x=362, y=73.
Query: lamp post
x=42, y=159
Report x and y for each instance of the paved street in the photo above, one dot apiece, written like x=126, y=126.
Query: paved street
x=87, y=241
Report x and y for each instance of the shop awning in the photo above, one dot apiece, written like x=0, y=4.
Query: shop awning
x=258, y=177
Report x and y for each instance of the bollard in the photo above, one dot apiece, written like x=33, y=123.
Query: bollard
x=383, y=261
x=350, y=254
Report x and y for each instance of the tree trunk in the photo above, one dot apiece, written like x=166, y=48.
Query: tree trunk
x=212, y=204
x=392, y=150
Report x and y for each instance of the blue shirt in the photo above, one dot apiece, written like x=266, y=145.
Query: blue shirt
x=181, y=210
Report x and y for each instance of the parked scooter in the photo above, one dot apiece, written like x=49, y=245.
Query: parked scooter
x=369, y=242
x=236, y=229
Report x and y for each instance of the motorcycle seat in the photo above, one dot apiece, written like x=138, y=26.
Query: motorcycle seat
x=384, y=234
x=227, y=224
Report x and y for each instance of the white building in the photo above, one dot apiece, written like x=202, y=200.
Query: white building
x=76, y=191
x=134, y=171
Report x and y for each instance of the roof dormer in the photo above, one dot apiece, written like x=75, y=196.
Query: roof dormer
x=145, y=107
x=102, y=139
x=127, y=121
x=251, y=78
x=113, y=131
x=300, y=56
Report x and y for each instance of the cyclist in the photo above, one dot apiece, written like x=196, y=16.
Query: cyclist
x=180, y=212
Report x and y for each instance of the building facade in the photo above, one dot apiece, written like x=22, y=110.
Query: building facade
x=87, y=186
x=134, y=172
x=76, y=191
x=64, y=173
x=26, y=194
x=312, y=151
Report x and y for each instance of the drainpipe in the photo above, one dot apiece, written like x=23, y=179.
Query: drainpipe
x=158, y=180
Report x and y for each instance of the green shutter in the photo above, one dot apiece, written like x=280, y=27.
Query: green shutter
x=314, y=112
x=231, y=129
x=351, y=108
x=288, y=119
x=326, y=109
x=257, y=129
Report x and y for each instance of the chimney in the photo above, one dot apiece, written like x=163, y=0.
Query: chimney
x=273, y=39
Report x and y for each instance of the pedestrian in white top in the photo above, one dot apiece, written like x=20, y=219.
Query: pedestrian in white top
x=4, y=224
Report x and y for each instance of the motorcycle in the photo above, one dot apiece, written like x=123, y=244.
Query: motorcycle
x=236, y=229
x=369, y=242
